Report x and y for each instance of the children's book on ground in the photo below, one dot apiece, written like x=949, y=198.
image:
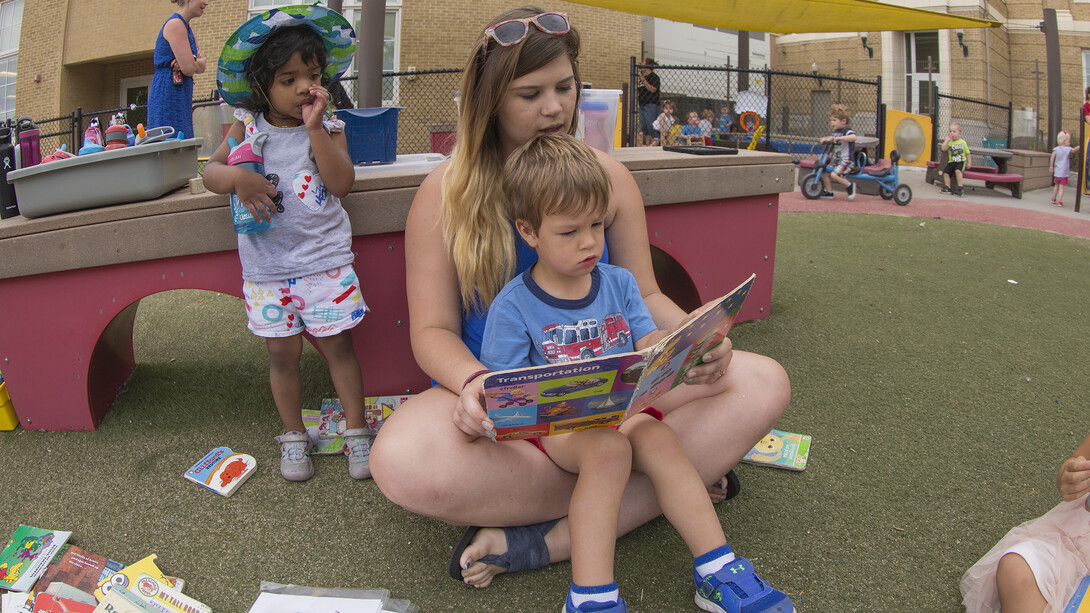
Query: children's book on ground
x=77, y=568
x=781, y=449
x=278, y=598
x=122, y=600
x=27, y=555
x=126, y=577
x=165, y=598
x=1080, y=602
x=586, y=391
x=327, y=425
x=222, y=470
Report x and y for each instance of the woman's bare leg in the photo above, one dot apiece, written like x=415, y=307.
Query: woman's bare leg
x=423, y=463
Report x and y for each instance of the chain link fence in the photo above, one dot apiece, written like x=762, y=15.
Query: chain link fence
x=426, y=120
x=983, y=124
x=786, y=112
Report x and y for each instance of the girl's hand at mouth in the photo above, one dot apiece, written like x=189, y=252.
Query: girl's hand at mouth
x=313, y=108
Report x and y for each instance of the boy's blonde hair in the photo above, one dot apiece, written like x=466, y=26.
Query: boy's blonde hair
x=554, y=174
x=1064, y=137
x=954, y=124
x=840, y=111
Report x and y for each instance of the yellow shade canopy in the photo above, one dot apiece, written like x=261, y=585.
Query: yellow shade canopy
x=794, y=16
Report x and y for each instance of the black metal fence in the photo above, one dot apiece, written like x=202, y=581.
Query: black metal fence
x=425, y=123
x=983, y=124
x=791, y=110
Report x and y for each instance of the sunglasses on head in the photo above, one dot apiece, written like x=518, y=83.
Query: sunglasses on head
x=514, y=31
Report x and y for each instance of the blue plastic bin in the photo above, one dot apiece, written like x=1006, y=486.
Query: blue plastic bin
x=371, y=134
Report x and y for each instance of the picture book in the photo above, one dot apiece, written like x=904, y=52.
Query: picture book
x=326, y=426
x=27, y=555
x=48, y=603
x=14, y=602
x=125, y=577
x=76, y=567
x=122, y=600
x=1080, y=601
x=781, y=449
x=222, y=470
x=162, y=597
x=583, y=391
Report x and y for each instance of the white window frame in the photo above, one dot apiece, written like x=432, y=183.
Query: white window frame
x=7, y=107
x=1085, y=69
x=131, y=82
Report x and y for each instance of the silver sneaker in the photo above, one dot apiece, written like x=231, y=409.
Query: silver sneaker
x=357, y=446
x=295, y=464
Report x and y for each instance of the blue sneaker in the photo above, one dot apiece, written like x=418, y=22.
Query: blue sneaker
x=595, y=607
x=736, y=588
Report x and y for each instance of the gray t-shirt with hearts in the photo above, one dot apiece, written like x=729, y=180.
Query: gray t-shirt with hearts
x=313, y=233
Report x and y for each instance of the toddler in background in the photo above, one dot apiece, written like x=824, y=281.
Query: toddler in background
x=1059, y=164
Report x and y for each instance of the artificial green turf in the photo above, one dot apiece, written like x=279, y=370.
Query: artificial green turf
x=941, y=398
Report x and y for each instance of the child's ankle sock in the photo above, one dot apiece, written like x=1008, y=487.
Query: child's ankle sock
x=607, y=595
x=712, y=561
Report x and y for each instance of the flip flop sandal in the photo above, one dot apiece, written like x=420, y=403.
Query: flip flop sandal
x=730, y=485
x=526, y=549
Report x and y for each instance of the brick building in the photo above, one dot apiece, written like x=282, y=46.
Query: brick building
x=991, y=64
x=96, y=54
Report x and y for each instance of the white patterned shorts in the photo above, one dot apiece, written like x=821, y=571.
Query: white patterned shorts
x=323, y=304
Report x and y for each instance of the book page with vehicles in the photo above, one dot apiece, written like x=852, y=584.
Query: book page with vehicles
x=584, y=389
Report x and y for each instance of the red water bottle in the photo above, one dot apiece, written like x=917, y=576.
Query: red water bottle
x=30, y=151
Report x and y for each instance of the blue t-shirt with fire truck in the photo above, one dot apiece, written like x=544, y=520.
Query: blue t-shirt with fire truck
x=529, y=327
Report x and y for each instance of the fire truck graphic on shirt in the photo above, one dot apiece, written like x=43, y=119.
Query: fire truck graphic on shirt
x=584, y=339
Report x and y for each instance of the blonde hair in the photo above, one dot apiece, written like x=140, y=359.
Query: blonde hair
x=555, y=174
x=1064, y=137
x=475, y=223
x=840, y=111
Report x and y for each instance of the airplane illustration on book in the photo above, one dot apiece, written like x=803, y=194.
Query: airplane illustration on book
x=511, y=418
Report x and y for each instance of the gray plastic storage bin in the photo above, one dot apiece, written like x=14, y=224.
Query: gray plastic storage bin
x=141, y=172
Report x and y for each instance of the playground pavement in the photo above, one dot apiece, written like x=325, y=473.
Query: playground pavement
x=1033, y=211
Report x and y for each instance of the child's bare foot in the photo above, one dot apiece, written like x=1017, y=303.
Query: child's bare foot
x=488, y=541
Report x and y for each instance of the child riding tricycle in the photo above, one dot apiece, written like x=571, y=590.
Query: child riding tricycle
x=889, y=187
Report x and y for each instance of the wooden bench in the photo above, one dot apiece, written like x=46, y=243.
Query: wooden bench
x=992, y=177
x=1007, y=180
x=72, y=283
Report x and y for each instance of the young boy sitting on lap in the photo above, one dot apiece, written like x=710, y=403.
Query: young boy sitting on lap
x=558, y=194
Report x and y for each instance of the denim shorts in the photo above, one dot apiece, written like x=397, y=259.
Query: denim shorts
x=323, y=304
x=648, y=114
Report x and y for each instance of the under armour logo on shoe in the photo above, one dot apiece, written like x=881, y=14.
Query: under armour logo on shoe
x=738, y=568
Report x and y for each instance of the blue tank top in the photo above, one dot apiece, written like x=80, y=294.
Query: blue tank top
x=473, y=323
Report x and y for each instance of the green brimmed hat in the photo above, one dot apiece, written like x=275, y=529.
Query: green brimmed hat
x=232, y=71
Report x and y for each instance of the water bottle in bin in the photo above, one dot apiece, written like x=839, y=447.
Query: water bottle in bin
x=30, y=150
x=8, y=206
x=247, y=154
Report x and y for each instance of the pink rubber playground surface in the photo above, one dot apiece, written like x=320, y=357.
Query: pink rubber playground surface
x=1034, y=211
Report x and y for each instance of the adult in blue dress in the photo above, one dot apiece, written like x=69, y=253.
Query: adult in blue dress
x=177, y=58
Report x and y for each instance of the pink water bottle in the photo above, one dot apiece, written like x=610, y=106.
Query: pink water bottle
x=30, y=151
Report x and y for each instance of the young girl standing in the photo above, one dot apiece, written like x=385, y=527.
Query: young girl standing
x=298, y=273
x=1059, y=164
